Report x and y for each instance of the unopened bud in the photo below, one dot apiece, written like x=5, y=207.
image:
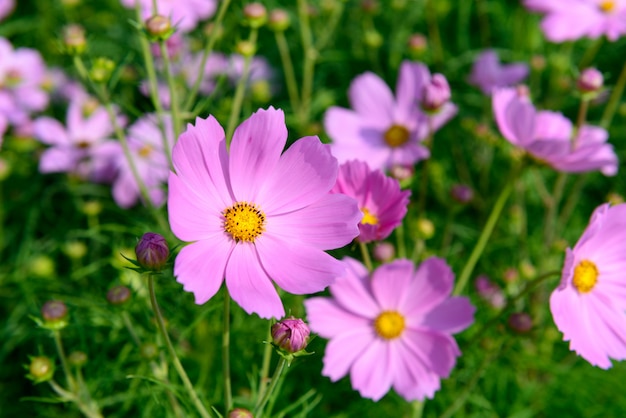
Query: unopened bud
x=118, y=295
x=417, y=44
x=41, y=369
x=462, y=193
x=149, y=351
x=436, y=93
x=384, y=252
x=101, y=70
x=402, y=172
x=538, y=62
x=77, y=358
x=159, y=27
x=520, y=322
x=74, y=39
x=425, y=228
x=54, y=313
x=590, y=81
x=42, y=266
x=373, y=39
x=370, y=6
x=240, y=413
x=490, y=291
x=92, y=208
x=291, y=334
x=279, y=20
x=152, y=251
x=75, y=249
x=255, y=14
x=245, y=48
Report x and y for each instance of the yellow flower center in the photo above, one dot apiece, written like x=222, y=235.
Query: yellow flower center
x=585, y=276
x=368, y=218
x=145, y=151
x=389, y=325
x=89, y=107
x=396, y=136
x=244, y=221
x=607, y=6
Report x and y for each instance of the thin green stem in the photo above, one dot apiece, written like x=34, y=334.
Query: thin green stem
x=228, y=395
x=240, y=90
x=170, y=348
x=330, y=26
x=71, y=383
x=417, y=409
x=258, y=411
x=310, y=56
x=433, y=32
x=265, y=367
x=421, y=202
x=367, y=260
x=171, y=83
x=205, y=54
x=616, y=95
x=552, y=209
x=591, y=53
x=400, y=243
x=87, y=409
x=290, y=75
x=485, y=235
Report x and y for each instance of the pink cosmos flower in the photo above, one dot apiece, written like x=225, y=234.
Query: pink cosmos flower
x=256, y=216
x=82, y=147
x=382, y=202
x=488, y=73
x=384, y=130
x=145, y=141
x=184, y=14
x=589, y=305
x=393, y=329
x=569, y=20
x=549, y=136
x=6, y=7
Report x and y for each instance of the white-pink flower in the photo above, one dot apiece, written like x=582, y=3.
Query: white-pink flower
x=184, y=14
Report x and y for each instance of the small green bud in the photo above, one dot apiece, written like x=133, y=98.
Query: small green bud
x=42, y=266
x=118, y=295
x=92, y=208
x=159, y=28
x=101, y=70
x=77, y=358
x=75, y=249
x=149, y=351
x=279, y=20
x=373, y=39
x=54, y=314
x=425, y=228
x=41, y=369
x=245, y=48
x=255, y=14
x=74, y=41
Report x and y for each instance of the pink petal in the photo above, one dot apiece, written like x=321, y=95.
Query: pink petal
x=412, y=78
x=451, y=316
x=352, y=290
x=371, y=98
x=284, y=191
x=436, y=351
x=390, y=282
x=200, y=267
x=330, y=320
x=59, y=160
x=329, y=223
x=254, y=152
x=343, y=350
x=431, y=285
x=414, y=381
x=249, y=285
x=371, y=372
x=50, y=131
x=297, y=268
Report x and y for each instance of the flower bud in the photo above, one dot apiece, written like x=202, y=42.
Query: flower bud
x=436, y=93
x=384, y=252
x=240, y=413
x=255, y=14
x=401, y=172
x=425, y=228
x=461, y=193
x=75, y=249
x=590, y=81
x=291, y=334
x=279, y=20
x=417, y=44
x=373, y=38
x=77, y=358
x=118, y=295
x=41, y=369
x=152, y=251
x=520, y=322
x=42, y=266
x=74, y=39
x=538, y=62
x=370, y=6
x=245, y=48
x=54, y=313
x=92, y=208
x=159, y=27
x=101, y=70
x=490, y=292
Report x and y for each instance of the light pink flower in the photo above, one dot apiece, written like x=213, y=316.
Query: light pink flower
x=589, y=305
x=488, y=73
x=82, y=147
x=393, y=329
x=6, y=8
x=384, y=130
x=382, y=202
x=549, y=136
x=256, y=216
x=569, y=20
x=184, y=14
x=145, y=141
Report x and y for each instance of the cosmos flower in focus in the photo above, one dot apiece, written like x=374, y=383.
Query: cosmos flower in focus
x=384, y=130
x=549, y=136
x=256, y=216
x=570, y=20
x=488, y=73
x=382, y=202
x=589, y=306
x=391, y=329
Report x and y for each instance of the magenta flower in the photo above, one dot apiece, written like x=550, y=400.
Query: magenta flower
x=588, y=306
x=549, y=136
x=488, y=74
x=145, y=141
x=569, y=20
x=393, y=329
x=384, y=130
x=256, y=216
x=184, y=14
x=83, y=147
x=6, y=7
x=382, y=202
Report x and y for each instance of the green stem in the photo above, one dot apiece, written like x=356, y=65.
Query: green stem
x=170, y=348
x=417, y=409
x=310, y=56
x=86, y=409
x=265, y=367
x=329, y=28
x=205, y=54
x=616, y=95
x=174, y=105
x=552, y=209
x=591, y=53
x=240, y=90
x=484, y=236
x=71, y=383
x=228, y=396
x=290, y=76
x=400, y=243
x=433, y=32
x=367, y=260
x=258, y=411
